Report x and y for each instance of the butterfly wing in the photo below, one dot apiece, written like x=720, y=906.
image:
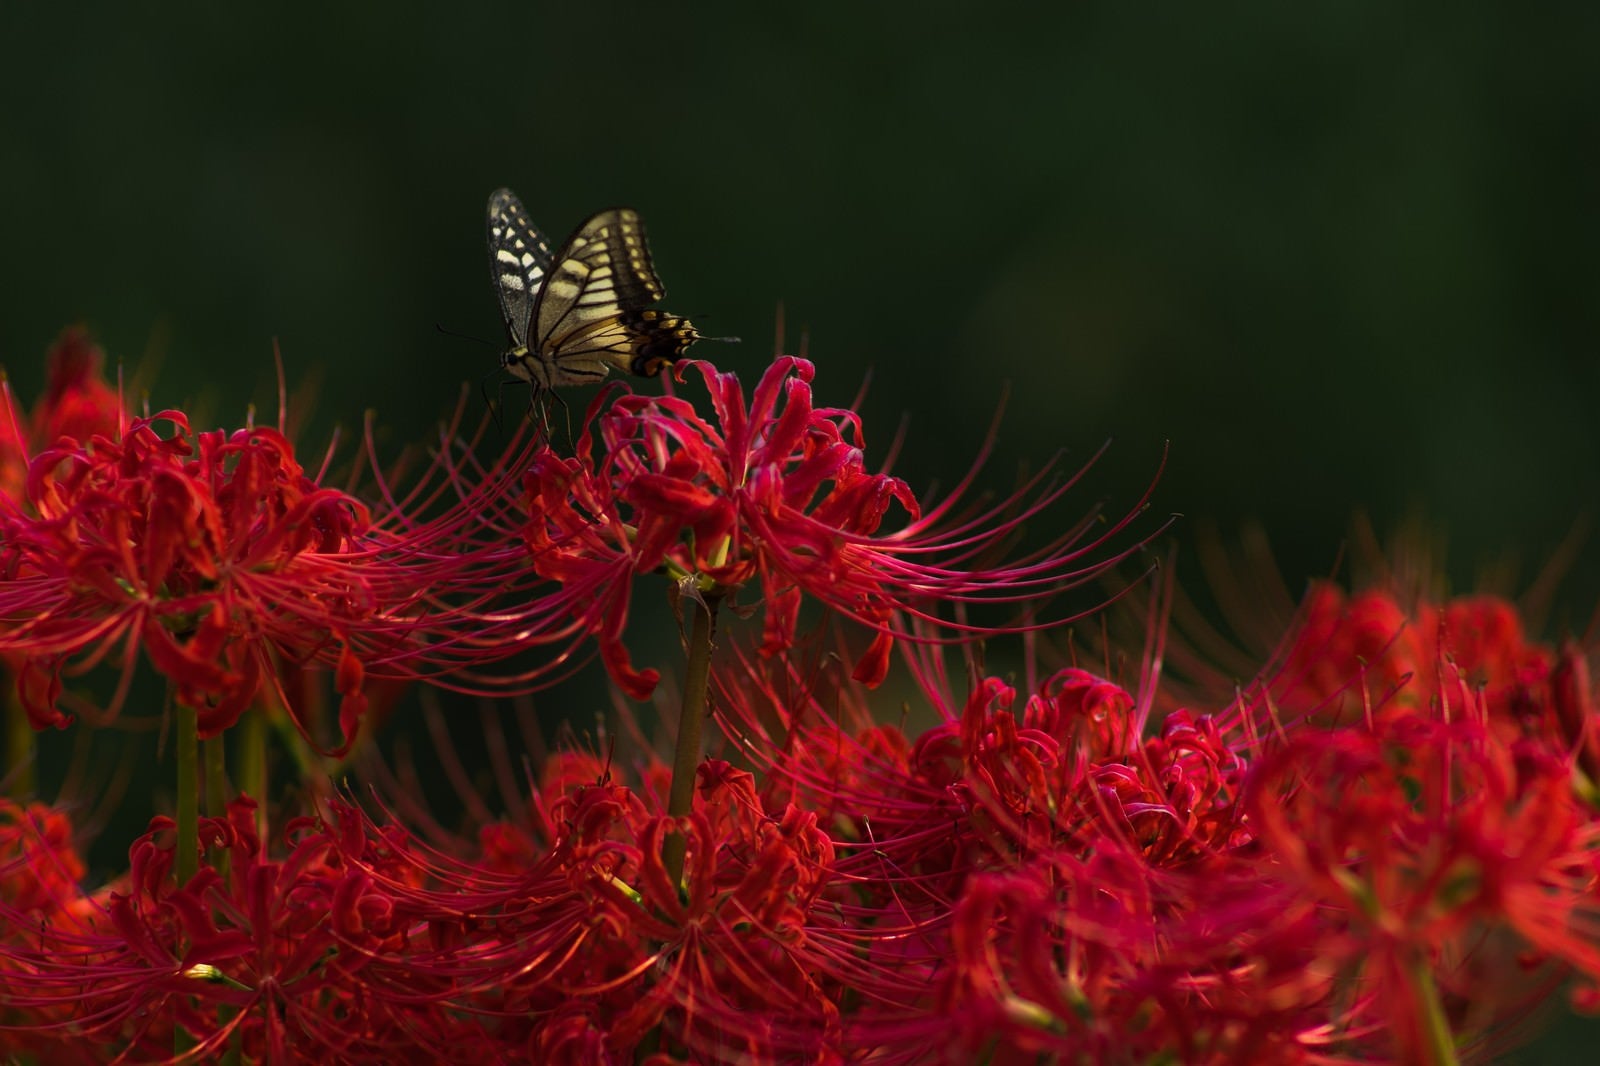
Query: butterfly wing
x=592, y=313
x=519, y=258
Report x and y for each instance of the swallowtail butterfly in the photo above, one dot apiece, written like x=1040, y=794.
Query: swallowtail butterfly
x=573, y=317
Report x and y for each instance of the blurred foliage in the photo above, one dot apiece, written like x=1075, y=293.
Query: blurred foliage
x=1339, y=254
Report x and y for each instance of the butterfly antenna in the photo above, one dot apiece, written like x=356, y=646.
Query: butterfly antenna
x=464, y=336
x=724, y=340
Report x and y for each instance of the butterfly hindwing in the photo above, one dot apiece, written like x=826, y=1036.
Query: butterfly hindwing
x=593, y=313
x=519, y=257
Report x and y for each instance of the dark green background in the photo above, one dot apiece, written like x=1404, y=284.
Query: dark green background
x=1339, y=256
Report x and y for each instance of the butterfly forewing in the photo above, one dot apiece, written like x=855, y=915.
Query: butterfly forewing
x=519, y=256
x=604, y=267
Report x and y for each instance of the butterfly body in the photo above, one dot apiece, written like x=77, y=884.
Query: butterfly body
x=573, y=317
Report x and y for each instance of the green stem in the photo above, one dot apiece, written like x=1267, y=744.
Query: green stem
x=1440, y=1044
x=187, y=737
x=216, y=763
x=310, y=768
x=215, y=754
x=20, y=753
x=252, y=754
x=686, y=760
x=186, y=860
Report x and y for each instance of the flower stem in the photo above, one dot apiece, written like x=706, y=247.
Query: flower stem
x=187, y=738
x=215, y=755
x=216, y=764
x=686, y=760
x=1440, y=1045
x=19, y=765
x=186, y=859
x=252, y=756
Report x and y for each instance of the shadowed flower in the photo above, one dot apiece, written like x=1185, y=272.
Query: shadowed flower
x=77, y=403
x=39, y=864
x=1372, y=636
x=776, y=494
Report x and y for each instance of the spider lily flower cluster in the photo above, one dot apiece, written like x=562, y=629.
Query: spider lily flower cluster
x=229, y=565
x=775, y=493
x=1383, y=848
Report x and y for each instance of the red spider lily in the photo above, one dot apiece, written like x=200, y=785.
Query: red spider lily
x=591, y=946
x=1064, y=888
x=1427, y=845
x=283, y=960
x=228, y=564
x=1379, y=849
x=206, y=550
x=41, y=901
x=1572, y=695
x=1394, y=867
x=775, y=492
x=1371, y=635
x=39, y=865
x=77, y=403
x=1061, y=880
